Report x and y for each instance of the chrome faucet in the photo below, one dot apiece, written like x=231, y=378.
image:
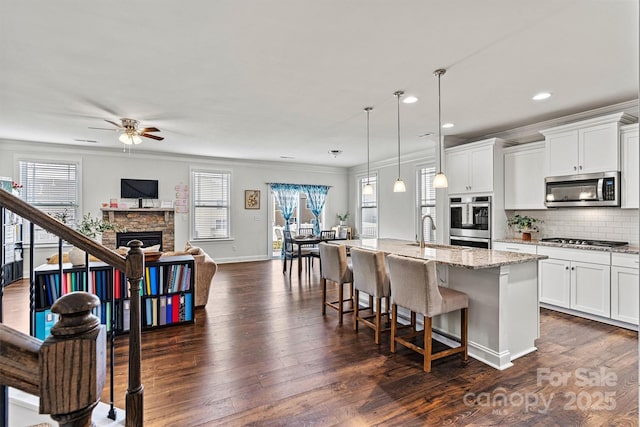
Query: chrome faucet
x=433, y=227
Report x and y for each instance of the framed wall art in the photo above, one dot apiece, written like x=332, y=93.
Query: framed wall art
x=252, y=199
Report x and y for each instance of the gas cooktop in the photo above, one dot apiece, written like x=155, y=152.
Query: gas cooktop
x=584, y=242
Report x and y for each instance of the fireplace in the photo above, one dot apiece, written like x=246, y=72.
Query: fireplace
x=148, y=238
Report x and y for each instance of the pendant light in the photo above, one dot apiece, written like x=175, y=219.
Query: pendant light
x=440, y=179
x=367, y=190
x=398, y=186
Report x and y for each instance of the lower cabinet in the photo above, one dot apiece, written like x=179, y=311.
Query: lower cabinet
x=625, y=295
x=576, y=279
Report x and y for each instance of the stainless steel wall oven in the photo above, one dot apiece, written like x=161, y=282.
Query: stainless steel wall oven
x=470, y=221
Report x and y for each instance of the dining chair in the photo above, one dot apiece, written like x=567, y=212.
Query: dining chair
x=291, y=252
x=336, y=269
x=414, y=285
x=315, y=251
x=370, y=276
x=305, y=231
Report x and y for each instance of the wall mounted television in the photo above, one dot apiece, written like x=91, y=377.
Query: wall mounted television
x=138, y=189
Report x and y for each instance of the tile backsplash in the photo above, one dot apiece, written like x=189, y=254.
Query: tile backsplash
x=586, y=223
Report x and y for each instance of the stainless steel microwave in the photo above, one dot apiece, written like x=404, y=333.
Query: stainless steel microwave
x=593, y=189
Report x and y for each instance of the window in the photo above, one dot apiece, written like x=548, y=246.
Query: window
x=368, y=209
x=210, y=198
x=427, y=201
x=53, y=188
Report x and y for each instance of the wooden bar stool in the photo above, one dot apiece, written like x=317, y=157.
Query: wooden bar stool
x=335, y=268
x=370, y=276
x=414, y=285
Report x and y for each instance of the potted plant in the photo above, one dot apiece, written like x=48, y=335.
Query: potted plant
x=524, y=224
x=343, y=217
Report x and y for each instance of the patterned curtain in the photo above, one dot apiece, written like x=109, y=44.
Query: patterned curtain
x=287, y=198
x=316, y=195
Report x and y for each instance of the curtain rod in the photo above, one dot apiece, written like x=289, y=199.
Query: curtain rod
x=301, y=185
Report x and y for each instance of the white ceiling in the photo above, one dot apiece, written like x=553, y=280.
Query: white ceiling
x=261, y=79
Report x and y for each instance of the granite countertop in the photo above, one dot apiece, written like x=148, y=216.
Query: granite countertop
x=458, y=256
x=620, y=249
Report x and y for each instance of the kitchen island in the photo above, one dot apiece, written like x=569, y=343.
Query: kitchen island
x=503, y=296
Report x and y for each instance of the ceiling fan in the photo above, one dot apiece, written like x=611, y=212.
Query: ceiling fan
x=130, y=132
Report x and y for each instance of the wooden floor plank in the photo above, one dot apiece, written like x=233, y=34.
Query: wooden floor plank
x=262, y=354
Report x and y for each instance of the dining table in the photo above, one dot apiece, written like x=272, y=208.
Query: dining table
x=308, y=240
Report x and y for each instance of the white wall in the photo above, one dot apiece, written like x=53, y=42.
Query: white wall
x=102, y=169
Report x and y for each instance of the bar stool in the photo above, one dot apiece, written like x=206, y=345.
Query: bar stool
x=370, y=276
x=335, y=268
x=414, y=285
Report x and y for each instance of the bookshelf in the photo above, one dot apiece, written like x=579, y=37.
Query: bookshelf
x=11, y=253
x=166, y=293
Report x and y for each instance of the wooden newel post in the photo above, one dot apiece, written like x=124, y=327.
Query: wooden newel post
x=135, y=390
x=73, y=361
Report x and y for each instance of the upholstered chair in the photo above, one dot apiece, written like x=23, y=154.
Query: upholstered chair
x=336, y=269
x=414, y=286
x=370, y=276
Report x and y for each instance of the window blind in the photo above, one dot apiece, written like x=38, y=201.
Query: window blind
x=210, y=198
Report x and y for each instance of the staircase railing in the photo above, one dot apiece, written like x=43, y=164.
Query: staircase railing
x=75, y=323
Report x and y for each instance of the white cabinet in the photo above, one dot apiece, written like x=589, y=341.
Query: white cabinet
x=576, y=279
x=554, y=277
x=515, y=247
x=524, y=173
x=630, y=165
x=470, y=168
x=588, y=146
x=625, y=295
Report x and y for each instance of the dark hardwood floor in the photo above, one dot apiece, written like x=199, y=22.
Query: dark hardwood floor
x=262, y=354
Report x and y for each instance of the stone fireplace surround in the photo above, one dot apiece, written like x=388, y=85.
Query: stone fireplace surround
x=141, y=220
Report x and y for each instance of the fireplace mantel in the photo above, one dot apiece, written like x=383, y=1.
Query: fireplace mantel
x=112, y=211
x=141, y=219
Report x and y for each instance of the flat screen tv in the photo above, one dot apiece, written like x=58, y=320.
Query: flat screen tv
x=138, y=189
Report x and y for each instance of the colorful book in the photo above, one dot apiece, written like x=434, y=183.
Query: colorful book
x=169, y=309
x=126, y=314
x=162, y=310
x=188, y=307
x=175, y=316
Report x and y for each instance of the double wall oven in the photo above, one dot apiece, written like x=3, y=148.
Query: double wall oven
x=470, y=221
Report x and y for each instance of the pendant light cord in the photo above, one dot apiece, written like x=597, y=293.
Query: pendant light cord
x=439, y=127
x=398, y=95
x=368, y=110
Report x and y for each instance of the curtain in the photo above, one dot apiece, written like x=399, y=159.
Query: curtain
x=316, y=195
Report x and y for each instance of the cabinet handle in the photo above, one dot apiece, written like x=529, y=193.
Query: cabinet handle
x=573, y=268
x=580, y=167
x=575, y=168
x=517, y=249
x=566, y=268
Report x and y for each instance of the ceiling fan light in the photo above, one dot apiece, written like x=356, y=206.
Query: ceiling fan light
x=440, y=180
x=399, y=187
x=367, y=190
x=125, y=139
x=136, y=139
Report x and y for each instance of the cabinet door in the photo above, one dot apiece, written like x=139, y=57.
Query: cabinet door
x=590, y=288
x=630, y=166
x=457, y=167
x=554, y=281
x=481, y=170
x=624, y=294
x=562, y=153
x=524, y=173
x=598, y=148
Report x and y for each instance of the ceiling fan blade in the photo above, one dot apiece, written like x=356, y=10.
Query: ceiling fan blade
x=151, y=129
x=113, y=123
x=148, y=135
x=111, y=129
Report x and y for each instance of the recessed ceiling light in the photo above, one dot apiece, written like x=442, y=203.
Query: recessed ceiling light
x=335, y=153
x=410, y=99
x=540, y=96
x=287, y=157
x=447, y=125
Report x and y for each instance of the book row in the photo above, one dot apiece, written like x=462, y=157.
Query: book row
x=45, y=319
x=158, y=280
x=49, y=287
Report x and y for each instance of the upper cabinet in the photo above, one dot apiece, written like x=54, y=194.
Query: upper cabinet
x=630, y=165
x=587, y=146
x=470, y=167
x=524, y=173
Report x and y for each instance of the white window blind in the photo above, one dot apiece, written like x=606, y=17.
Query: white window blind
x=53, y=188
x=369, y=209
x=427, y=200
x=210, y=198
